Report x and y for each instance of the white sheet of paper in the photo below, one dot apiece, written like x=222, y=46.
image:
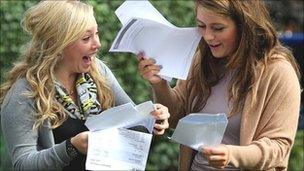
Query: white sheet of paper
x=146, y=30
x=125, y=115
x=206, y=130
x=112, y=146
x=118, y=149
x=139, y=9
x=173, y=48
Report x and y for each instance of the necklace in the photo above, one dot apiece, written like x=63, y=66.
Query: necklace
x=69, y=92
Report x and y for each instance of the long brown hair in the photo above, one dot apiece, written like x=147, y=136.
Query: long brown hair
x=53, y=25
x=258, y=44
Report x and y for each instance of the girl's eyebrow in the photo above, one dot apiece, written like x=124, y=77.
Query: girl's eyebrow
x=199, y=21
x=212, y=24
x=89, y=32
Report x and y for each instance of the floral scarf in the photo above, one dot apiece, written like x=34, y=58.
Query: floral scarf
x=86, y=98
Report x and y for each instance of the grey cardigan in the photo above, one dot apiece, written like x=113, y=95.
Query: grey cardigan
x=35, y=149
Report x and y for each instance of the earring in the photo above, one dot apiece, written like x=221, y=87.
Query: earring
x=59, y=54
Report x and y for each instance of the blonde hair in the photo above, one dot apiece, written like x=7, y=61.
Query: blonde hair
x=258, y=44
x=53, y=26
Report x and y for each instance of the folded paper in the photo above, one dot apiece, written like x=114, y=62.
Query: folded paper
x=198, y=130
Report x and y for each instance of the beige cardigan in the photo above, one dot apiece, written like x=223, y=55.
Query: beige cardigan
x=268, y=124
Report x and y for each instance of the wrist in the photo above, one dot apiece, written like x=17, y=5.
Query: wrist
x=72, y=140
x=158, y=84
x=229, y=154
x=71, y=149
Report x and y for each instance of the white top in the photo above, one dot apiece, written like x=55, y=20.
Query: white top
x=218, y=103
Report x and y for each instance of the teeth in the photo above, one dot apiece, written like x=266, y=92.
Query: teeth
x=89, y=56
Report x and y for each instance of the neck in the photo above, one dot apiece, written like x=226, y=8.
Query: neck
x=66, y=78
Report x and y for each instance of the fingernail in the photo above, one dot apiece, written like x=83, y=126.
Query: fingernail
x=153, y=60
x=160, y=66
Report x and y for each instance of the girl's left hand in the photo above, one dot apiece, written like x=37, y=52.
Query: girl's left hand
x=161, y=115
x=218, y=157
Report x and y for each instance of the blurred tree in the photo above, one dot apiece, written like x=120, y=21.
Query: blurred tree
x=282, y=11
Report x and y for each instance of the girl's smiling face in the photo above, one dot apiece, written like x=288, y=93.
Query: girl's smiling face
x=78, y=56
x=220, y=32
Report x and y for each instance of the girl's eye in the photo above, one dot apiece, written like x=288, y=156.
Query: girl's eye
x=86, y=38
x=201, y=26
x=218, y=28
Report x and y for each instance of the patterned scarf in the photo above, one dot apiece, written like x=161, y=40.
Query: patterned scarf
x=86, y=97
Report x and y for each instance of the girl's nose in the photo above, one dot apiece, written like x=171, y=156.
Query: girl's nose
x=96, y=43
x=208, y=35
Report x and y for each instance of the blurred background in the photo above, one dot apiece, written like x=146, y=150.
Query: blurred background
x=286, y=14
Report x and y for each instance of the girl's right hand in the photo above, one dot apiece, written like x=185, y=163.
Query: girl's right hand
x=148, y=69
x=80, y=141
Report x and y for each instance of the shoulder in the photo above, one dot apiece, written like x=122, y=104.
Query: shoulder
x=18, y=110
x=21, y=85
x=105, y=70
x=102, y=67
x=280, y=69
x=280, y=75
x=17, y=93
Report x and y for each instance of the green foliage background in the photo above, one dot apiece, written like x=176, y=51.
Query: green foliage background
x=163, y=154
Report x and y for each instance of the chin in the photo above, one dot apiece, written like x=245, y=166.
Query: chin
x=85, y=70
x=218, y=56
